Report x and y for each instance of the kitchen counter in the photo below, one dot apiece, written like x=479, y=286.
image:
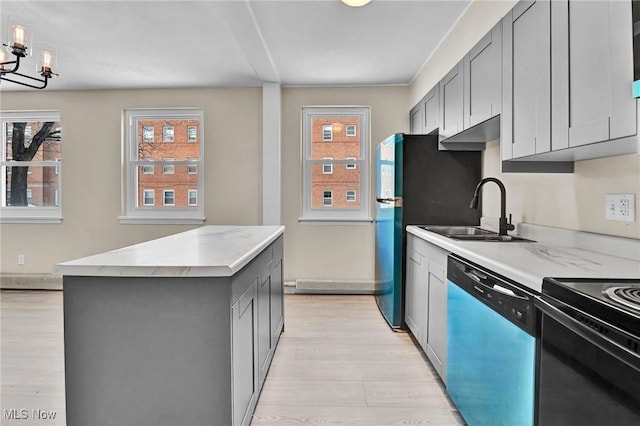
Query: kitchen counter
x=555, y=253
x=178, y=330
x=208, y=251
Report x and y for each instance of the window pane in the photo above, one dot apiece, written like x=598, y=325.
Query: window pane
x=339, y=181
x=192, y=133
x=351, y=130
x=167, y=133
x=149, y=197
x=327, y=132
x=193, y=197
x=33, y=186
x=147, y=134
x=168, y=198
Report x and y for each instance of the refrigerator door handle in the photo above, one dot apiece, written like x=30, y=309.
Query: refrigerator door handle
x=396, y=201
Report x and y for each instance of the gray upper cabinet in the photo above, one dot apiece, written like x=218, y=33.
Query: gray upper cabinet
x=596, y=39
x=431, y=107
x=526, y=80
x=451, y=103
x=482, y=79
x=425, y=116
x=415, y=119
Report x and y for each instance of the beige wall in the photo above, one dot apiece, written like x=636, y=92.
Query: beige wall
x=320, y=251
x=92, y=173
x=573, y=201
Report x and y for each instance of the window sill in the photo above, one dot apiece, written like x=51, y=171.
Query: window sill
x=149, y=220
x=336, y=220
x=21, y=219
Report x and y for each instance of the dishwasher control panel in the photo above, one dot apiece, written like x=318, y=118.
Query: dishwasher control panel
x=498, y=293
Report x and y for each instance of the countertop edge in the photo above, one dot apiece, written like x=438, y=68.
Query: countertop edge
x=93, y=270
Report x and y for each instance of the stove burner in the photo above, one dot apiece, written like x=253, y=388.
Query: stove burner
x=627, y=296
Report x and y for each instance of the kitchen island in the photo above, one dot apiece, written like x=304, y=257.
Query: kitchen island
x=178, y=330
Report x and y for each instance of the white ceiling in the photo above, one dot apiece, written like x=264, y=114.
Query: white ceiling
x=214, y=43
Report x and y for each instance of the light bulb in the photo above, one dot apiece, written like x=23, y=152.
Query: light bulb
x=47, y=59
x=19, y=34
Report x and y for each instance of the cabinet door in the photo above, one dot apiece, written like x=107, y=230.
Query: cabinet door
x=597, y=40
x=416, y=291
x=415, y=119
x=451, y=103
x=265, y=348
x=526, y=111
x=431, y=107
x=244, y=356
x=483, y=79
x=437, y=319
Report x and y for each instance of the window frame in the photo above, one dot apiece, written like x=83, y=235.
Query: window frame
x=324, y=137
x=329, y=170
x=324, y=214
x=325, y=198
x=355, y=195
x=168, y=168
x=189, y=134
x=165, y=139
x=189, y=192
x=131, y=212
x=22, y=214
x=348, y=133
x=164, y=197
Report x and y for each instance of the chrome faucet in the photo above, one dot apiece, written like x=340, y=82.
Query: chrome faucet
x=504, y=225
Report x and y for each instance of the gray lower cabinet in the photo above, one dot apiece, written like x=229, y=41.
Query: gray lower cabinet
x=171, y=350
x=426, y=299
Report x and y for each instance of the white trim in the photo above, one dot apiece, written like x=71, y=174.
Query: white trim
x=271, y=154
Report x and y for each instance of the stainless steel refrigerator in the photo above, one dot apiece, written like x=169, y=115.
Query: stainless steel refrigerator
x=416, y=185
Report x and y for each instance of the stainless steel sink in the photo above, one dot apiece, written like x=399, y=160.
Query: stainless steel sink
x=472, y=233
x=451, y=231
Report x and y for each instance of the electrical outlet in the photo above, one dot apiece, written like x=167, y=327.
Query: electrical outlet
x=21, y=259
x=620, y=207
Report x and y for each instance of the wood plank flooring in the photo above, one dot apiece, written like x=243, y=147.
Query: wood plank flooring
x=337, y=363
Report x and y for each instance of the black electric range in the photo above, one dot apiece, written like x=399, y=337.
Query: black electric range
x=589, y=359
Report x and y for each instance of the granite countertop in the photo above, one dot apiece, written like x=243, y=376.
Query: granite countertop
x=209, y=251
x=555, y=253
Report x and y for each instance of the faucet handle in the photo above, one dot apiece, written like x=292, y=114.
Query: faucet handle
x=510, y=226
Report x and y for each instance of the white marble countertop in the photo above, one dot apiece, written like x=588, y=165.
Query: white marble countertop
x=568, y=255
x=209, y=251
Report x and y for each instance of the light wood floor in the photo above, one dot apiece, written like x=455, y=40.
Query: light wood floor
x=337, y=363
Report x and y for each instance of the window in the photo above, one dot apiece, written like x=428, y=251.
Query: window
x=192, y=169
x=181, y=162
x=327, y=132
x=167, y=133
x=149, y=196
x=148, y=169
x=351, y=130
x=30, y=187
x=321, y=181
x=192, y=134
x=192, y=196
x=168, y=197
x=327, y=168
x=327, y=198
x=147, y=133
x=168, y=169
x=351, y=166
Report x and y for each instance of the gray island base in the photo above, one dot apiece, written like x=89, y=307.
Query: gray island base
x=151, y=348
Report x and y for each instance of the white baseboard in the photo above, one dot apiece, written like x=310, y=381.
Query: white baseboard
x=30, y=282
x=315, y=286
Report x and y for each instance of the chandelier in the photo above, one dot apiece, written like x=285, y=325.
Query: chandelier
x=19, y=49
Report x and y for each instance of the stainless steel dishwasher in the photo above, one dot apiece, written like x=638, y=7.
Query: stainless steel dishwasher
x=491, y=346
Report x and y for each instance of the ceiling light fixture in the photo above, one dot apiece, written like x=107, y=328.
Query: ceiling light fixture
x=19, y=49
x=356, y=3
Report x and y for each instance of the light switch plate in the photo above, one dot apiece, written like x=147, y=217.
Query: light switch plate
x=620, y=207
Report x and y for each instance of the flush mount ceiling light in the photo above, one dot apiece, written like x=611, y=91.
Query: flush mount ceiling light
x=18, y=48
x=355, y=3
